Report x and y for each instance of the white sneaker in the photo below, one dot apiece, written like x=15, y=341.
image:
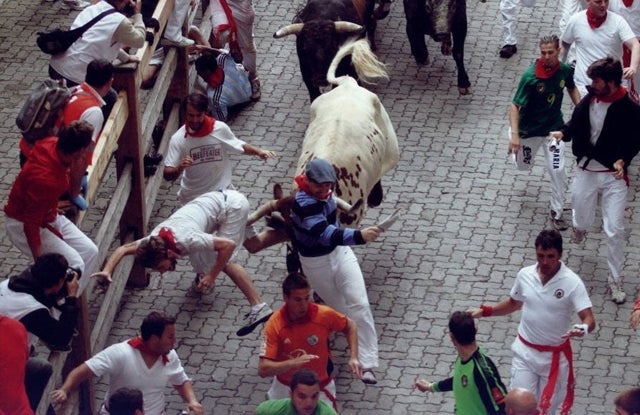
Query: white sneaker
x=618, y=295
x=76, y=4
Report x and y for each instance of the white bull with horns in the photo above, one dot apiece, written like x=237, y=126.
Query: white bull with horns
x=350, y=128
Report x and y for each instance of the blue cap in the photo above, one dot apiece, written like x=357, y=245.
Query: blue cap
x=321, y=171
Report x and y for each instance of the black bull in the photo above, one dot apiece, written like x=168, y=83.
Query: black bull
x=322, y=26
x=442, y=20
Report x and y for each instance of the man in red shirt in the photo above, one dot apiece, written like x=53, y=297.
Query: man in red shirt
x=14, y=354
x=296, y=337
x=33, y=223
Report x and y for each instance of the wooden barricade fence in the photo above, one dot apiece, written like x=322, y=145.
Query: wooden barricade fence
x=126, y=136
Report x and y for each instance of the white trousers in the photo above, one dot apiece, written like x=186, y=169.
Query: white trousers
x=232, y=222
x=509, y=12
x=79, y=250
x=244, y=16
x=585, y=190
x=173, y=30
x=337, y=278
x=554, y=162
x=530, y=370
x=279, y=390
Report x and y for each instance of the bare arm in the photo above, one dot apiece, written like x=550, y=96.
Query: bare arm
x=634, y=45
x=504, y=307
x=75, y=378
x=189, y=397
x=257, y=151
x=171, y=173
x=564, y=51
x=574, y=94
x=224, y=248
x=114, y=260
x=635, y=313
x=514, y=118
x=351, y=333
x=268, y=367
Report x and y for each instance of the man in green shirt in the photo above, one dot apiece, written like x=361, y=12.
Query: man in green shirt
x=535, y=111
x=476, y=384
x=304, y=400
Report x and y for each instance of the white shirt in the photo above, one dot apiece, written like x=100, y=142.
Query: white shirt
x=594, y=44
x=211, y=168
x=547, y=311
x=126, y=368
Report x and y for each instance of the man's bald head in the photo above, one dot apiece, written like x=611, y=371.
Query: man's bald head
x=520, y=401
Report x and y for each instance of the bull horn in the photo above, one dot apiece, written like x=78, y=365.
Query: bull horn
x=348, y=27
x=346, y=207
x=292, y=29
x=266, y=209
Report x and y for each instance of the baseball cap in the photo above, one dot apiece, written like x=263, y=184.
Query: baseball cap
x=321, y=171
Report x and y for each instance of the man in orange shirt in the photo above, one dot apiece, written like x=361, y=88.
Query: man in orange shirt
x=296, y=337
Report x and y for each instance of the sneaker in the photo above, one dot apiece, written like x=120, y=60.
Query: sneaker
x=183, y=42
x=558, y=224
x=254, y=318
x=508, y=51
x=76, y=4
x=578, y=236
x=369, y=377
x=255, y=89
x=618, y=295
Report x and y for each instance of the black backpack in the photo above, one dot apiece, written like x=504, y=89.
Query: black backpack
x=58, y=41
x=41, y=109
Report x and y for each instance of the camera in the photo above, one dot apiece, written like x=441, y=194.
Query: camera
x=71, y=273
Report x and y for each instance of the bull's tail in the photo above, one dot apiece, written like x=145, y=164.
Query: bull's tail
x=369, y=69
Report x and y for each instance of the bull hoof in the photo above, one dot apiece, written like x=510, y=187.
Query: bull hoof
x=464, y=90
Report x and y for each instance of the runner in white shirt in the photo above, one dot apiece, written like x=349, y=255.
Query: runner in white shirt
x=549, y=294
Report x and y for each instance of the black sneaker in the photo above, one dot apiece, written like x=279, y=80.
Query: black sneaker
x=508, y=51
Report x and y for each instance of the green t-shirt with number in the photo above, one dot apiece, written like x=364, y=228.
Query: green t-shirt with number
x=540, y=101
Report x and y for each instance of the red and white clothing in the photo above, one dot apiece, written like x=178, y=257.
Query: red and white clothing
x=14, y=354
x=284, y=340
x=593, y=44
x=32, y=218
x=85, y=104
x=547, y=314
x=194, y=226
x=237, y=16
x=631, y=14
x=126, y=368
x=209, y=149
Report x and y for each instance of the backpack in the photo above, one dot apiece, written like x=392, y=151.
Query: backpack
x=58, y=41
x=41, y=109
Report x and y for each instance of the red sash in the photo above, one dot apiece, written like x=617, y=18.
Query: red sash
x=554, y=370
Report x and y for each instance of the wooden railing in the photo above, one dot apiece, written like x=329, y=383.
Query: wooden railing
x=126, y=136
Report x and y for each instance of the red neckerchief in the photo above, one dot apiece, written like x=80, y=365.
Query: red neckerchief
x=169, y=239
x=301, y=181
x=627, y=3
x=216, y=78
x=593, y=21
x=619, y=94
x=205, y=129
x=138, y=344
x=542, y=72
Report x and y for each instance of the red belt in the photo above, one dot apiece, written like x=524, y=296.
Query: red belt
x=547, y=392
